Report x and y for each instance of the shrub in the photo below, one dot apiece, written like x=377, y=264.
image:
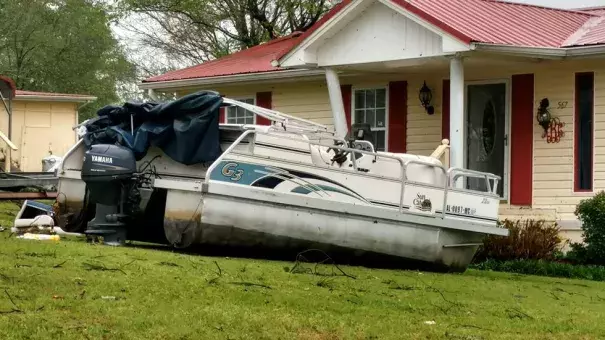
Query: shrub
x=591, y=212
x=535, y=240
x=544, y=268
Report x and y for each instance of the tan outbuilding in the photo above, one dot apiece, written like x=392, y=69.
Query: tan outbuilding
x=41, y=124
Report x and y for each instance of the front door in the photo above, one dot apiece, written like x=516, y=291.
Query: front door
x=486, y=133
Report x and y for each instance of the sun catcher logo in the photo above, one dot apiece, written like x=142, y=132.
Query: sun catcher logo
x=422, y=203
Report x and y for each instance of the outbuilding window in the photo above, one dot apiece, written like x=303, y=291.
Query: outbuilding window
x=238, y=115
x=369, y=106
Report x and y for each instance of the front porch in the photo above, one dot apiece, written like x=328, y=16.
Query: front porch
x=378, y=56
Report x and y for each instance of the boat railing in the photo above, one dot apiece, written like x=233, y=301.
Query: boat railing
x=403, y=164
x=276, y=116
x=445, y=185
x=455, y=174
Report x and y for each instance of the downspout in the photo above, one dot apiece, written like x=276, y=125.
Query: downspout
x=338, y=110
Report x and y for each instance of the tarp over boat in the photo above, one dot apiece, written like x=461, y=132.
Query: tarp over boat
x=187, y=129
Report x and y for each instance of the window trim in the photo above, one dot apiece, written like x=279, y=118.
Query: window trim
x=386, y=110
x=241, y=99
x=576, y=141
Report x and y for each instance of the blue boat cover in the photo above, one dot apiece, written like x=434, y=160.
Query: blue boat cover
x=187, y=129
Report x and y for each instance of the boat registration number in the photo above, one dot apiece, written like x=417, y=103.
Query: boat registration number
x=458, y=209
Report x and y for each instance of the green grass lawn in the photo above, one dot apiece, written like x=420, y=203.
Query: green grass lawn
x=75, y=290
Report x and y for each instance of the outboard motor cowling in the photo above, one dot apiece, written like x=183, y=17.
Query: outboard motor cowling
x=108, y=172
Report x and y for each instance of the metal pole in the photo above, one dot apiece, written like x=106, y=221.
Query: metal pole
x=457, y=114
x=338, y=109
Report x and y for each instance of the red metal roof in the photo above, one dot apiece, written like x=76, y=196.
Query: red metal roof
x=49, y=94
x=25, y=94
x=505, y=23
x=482, y=21
x=593, y=31
x=252, y=60
x=594, y=10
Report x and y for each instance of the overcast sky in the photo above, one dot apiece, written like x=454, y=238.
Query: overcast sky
x=564, y=3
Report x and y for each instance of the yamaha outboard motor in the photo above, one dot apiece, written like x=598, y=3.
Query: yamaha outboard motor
x=108, y=172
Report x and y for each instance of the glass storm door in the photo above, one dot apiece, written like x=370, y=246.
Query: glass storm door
x=486, y=134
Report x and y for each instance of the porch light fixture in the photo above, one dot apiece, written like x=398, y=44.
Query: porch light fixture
x=425, y=97
x=543, y=115
x=553, y=127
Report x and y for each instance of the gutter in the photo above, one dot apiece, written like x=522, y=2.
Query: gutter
x=542, y=52
x=238, y=78
x=64, y=99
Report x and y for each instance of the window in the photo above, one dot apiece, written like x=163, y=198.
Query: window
x=584, y=136
x=238, y=115
x=370, y=107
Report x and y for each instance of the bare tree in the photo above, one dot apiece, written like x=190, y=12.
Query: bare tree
x=193, y=31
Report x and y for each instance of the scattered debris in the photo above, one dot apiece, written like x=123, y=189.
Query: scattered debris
x=430, y=323
x=40, y=237
x=35, y=254
x=57, y=297
x=327, y=260
x=111, y=298
x=168, y=264
x=37, y=218
x=515, y=313
x=102, y=267
x=59, y=265
x=250, y=284
x=2, y=229
x=16, y=308
x=220, y=271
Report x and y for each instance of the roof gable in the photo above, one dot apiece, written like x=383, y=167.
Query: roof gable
x=370, y=31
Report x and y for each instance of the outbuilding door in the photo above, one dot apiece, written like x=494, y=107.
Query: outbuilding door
x=487, y=133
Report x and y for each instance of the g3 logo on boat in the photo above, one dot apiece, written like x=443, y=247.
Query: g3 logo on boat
x=230, y=170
